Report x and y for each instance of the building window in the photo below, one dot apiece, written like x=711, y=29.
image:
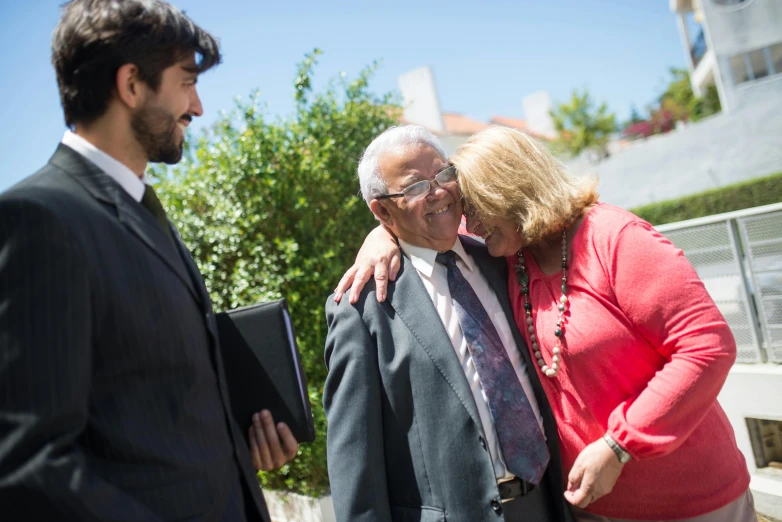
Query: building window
x=775, y=52
x=739, y=67
x=766, y=438
x=756, y=64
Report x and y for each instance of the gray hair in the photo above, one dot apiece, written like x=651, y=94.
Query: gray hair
x=394, y=138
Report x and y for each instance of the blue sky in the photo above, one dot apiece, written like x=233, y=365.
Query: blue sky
x=486, y=55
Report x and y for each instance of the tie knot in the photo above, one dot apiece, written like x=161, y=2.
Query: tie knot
x=150, y=200
x=446, y=258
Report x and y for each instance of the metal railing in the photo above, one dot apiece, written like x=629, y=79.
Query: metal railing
x=738, y=255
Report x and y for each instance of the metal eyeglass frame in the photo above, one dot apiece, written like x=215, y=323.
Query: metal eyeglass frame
x=447, y=172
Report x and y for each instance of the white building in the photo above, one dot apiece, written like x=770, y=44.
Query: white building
x=736, y=45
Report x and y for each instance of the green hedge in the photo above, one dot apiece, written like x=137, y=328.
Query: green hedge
x=271, y=208
x=748, y=194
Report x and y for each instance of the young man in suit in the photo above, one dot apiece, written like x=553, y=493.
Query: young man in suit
x=432, y=412
x=113, y=400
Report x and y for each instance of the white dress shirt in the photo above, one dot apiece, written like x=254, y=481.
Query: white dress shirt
x=434, y=277
x=119, y=172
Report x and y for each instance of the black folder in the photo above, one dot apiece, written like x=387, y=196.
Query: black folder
x=263, y=367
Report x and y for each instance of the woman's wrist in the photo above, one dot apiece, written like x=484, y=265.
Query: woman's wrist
x=621, y=453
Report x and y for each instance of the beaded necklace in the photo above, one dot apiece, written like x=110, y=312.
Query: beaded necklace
x=523, y=279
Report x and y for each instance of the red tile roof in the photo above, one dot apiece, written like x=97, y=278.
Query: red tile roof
x=510, y=122
x=522, y=126
x=458, y=124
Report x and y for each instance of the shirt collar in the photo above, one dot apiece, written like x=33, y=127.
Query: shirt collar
x=423, y=259
x=119, y=172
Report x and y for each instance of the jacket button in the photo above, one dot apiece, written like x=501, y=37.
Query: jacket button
x=497, y=507
x=482, y=441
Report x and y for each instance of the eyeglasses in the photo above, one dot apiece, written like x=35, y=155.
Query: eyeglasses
x=420, y=189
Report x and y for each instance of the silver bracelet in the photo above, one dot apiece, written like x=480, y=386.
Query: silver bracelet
x=618, y=450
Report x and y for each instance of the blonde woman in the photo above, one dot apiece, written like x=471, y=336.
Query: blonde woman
x=631, y=349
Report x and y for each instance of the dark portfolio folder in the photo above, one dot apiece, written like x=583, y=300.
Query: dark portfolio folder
x=263, y=367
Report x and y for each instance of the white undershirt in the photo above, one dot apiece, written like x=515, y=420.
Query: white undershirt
x=434, y=277
x=119, y=172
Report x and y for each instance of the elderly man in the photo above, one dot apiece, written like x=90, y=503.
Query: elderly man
x=432, y=412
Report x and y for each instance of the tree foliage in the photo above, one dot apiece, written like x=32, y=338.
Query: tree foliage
x=676, y=103
x=679, y=93
x=270, y=209
x=635, y=117
x=583, y=127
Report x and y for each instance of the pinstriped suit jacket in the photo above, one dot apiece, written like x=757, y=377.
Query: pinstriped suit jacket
x=113, y=401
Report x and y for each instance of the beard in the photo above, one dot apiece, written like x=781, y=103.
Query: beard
x=155, y=130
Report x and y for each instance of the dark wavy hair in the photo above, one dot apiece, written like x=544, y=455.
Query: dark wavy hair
x=94, y=38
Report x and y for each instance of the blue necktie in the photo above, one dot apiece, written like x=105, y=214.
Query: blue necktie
x=521, y=439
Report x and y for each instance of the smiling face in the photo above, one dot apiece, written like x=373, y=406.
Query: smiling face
x=159, y=124
x=502, y=236
x=431, y=222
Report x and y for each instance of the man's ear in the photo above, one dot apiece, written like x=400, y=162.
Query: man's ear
x=380, y=211
x=131, y=90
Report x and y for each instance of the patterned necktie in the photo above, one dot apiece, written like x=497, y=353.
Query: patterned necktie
x=521, y=439
x=151, y=202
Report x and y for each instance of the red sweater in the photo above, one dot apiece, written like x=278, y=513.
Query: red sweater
x=645, y=354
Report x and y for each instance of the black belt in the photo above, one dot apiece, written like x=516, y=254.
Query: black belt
x=514, y=488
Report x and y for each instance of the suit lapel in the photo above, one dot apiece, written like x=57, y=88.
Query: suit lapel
x=411, y=302
x=130, y=213
x=142, y=224
x=197, y=279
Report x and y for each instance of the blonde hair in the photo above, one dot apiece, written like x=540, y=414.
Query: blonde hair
x=506, y=174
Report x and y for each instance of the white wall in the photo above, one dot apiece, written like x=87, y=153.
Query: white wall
x=420, y=103
x=738, y=29
x=720, y=150
x=289, y=507
x=735, y=29
x=451, y=142
x=755, y=390
x=537, y=113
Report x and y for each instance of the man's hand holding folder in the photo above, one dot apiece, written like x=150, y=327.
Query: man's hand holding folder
x=271, y=446
x=263, y=370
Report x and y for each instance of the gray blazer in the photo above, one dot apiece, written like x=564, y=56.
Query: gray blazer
x=113, y=401
x=405, y=441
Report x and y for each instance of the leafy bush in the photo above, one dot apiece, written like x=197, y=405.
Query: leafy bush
x=272, y=209
x=753, y=193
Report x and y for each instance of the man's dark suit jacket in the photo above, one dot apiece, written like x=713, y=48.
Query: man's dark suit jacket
x=113, y=401
x=405, y=442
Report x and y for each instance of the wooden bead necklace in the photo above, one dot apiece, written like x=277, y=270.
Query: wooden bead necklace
x=523, y=279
